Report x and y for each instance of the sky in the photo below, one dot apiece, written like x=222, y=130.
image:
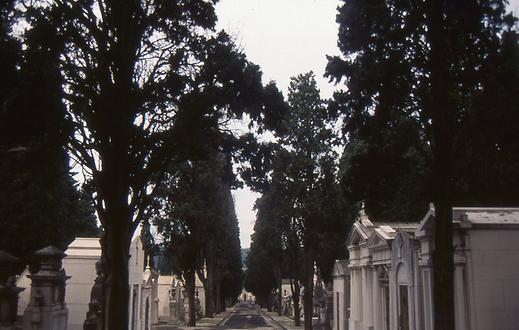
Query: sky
x=285, y=38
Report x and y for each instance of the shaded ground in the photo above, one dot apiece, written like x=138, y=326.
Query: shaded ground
x=248, y=316
x=245, y=316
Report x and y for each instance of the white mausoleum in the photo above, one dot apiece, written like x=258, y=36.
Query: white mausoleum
x=391, y=280
x=79, y=264
x=341, y=294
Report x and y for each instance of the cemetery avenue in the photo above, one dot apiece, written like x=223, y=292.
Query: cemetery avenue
x=244, y=315
x=383, y=170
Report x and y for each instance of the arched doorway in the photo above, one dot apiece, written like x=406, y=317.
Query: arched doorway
x=403, y=296
x=147, y=314
x=383, y=278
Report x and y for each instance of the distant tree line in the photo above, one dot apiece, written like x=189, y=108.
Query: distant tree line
x=302, y=215
x=194, y=212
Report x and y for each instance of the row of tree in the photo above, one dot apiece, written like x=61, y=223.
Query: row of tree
x=302, y=215
x=428, y=114
x=194, y=212
x=145, y=92
x=142, y=93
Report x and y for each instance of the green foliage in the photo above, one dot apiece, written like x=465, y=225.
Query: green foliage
x=308, y=166
x=264, y=260
x=40, y=204
x=429, y=72
x=145, y=84
x=302, y=217
x=160, y=72
x=387, y=70
x=194, y=211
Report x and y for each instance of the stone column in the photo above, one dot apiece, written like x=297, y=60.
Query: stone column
x=47, y=309
x=369, y=297
x=329, y=304
x=377, y=300
x=8, y=290
x=353, y=299
x=347, y=301
x=460, y=302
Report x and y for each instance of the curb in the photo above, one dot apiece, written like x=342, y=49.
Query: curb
x=282, y=326
x=228, y=316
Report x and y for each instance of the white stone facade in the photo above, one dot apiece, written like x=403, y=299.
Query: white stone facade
x=391, y=272
x=486, y=273
x=82, y=255
x=341, y=295
x=79, y=264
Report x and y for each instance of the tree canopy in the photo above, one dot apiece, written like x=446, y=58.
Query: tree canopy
x=387, y=160
x=303, y=218
x=142, y=83
x=194, y=212
x=40, y=203
x=418, y=74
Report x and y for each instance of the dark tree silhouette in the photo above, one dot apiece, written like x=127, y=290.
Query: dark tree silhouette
x=301, y=206
x=142, y=82
x=426, y=66
x=195, y=214
x=40, y=203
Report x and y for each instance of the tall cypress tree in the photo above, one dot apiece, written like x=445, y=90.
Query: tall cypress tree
x=141, y=79
x=302, y=177
x=37, y=189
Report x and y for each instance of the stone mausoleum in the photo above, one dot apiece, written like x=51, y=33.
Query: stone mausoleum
x=387, y=282
x=154, y=298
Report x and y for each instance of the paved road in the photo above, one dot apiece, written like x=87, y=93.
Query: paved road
x=248, y=316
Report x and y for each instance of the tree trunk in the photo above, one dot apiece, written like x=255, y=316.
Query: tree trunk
x=190, y=284
x=117, y=245
x=296, y=295
x=222, y=303
x=309, y=290
x=218, y=299
x=279, y=297
x=113, y=184
x=442, y=121
x=209, y=291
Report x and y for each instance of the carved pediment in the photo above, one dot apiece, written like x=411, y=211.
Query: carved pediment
x=340, y=268
x=377, y=240
x=358, y=234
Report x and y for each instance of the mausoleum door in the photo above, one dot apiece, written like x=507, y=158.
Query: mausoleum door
x=147, y=314
x=383, y=280
x=385, y=318
x=403, y=317
x=135, y=306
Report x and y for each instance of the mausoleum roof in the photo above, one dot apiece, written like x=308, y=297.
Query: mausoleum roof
x=85, y=247
x=483, y=217
x=340, y=268
x=390, y=228
x=165, y=279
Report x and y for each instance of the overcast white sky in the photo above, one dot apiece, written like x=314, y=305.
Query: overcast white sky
x=286, y=38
